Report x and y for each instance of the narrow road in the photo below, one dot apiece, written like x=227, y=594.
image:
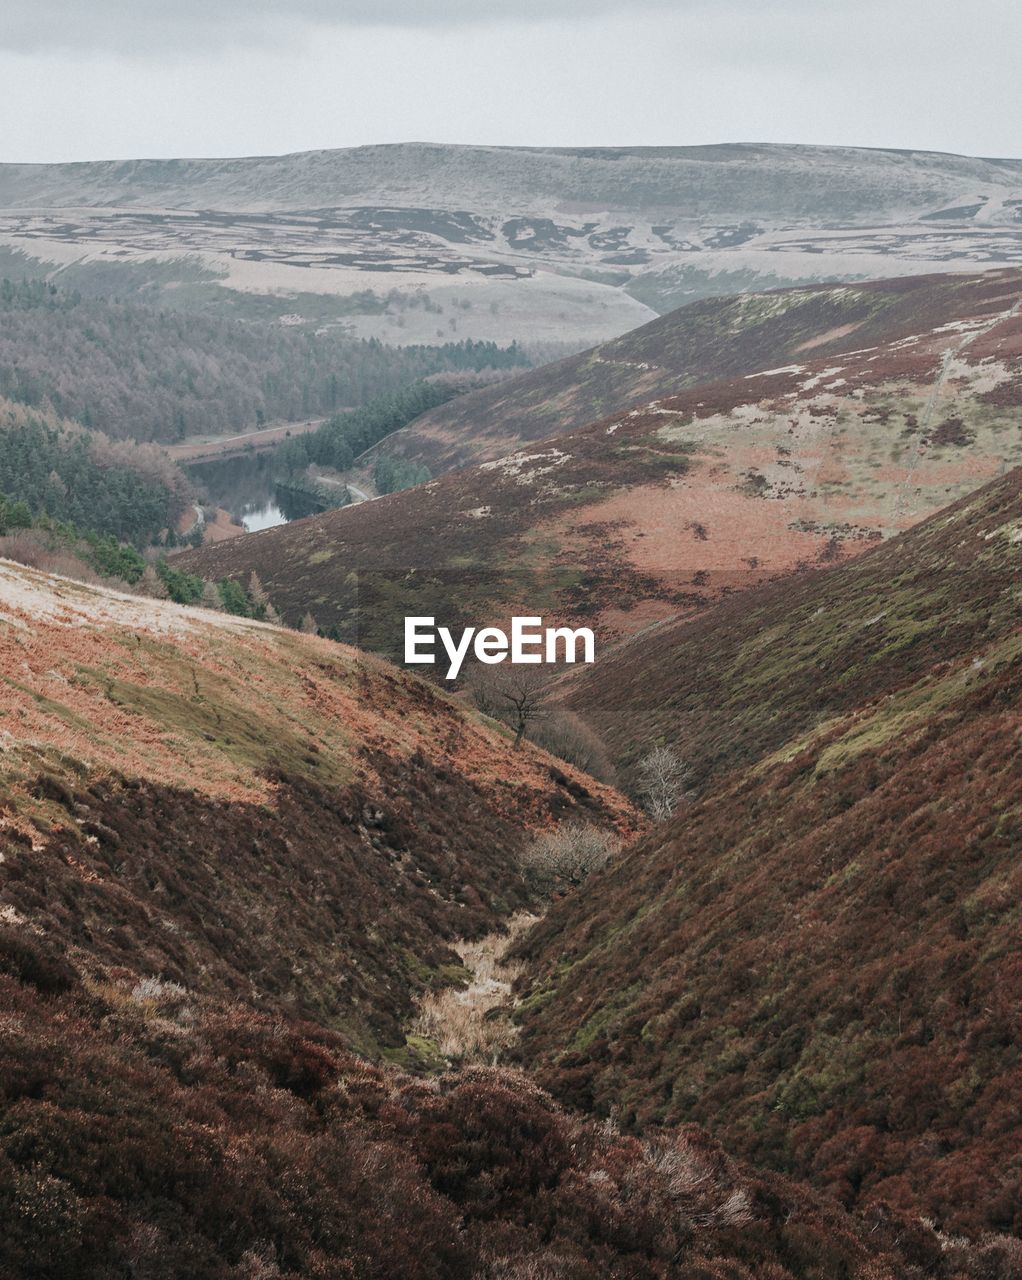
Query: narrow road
x=333, y=482
x=216, y=446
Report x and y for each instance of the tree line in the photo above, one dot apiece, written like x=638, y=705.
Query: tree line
x=113, y=488
x=139, y=371
x=340, y=440
x=59, y=546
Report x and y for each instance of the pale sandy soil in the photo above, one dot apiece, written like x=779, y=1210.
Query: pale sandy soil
x=221, y=527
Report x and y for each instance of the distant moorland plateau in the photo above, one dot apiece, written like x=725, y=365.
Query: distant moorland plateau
x=557, y=246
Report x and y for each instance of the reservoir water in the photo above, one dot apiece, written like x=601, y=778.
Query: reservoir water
x=246, y=488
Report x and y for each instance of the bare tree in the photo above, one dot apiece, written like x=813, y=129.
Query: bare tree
x=151, y=584
x=309, y=625
x=567, y=855
x=211, y=598
x=256, y=591
x=511, y=692
x=262, y=606
x=661, y=775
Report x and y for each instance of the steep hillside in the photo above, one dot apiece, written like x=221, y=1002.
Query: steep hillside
x=818, y=958
x=661, y=509
x=227, y=855
x=709, y=341
x=150, y=1131
x=566, y=245
x=249, y=812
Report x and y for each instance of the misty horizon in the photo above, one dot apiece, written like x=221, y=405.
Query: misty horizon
x=227, y=80
x=591, y=147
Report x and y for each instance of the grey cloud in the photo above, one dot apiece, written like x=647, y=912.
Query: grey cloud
x=154, y=26
x=236, y=77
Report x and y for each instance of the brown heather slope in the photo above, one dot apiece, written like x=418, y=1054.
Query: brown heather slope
x=645, y=515
x=819, y=957
x=250, y=812
x=708, y=341
x=165, y=1135
x=227, y=854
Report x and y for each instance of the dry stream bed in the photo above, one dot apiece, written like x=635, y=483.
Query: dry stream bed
x=472, y=1024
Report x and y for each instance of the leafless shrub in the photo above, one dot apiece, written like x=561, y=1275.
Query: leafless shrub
x=662, y=775
x=567, y=855
x=683, y=1171
x=698, y=1186
x=568, y=737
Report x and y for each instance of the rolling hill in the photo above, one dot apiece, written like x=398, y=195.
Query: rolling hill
x=409, y=241
x=704, y=181
x=660, y=509
x=818, y=957
x=709, y=341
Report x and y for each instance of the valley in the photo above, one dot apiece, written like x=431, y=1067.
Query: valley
x=814, y=958
x=195, y=938
x=806, y=453
x=693, y=958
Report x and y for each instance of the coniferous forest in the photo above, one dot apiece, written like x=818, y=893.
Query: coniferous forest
x=59, y=470
x=343, y=437
x=138, y=371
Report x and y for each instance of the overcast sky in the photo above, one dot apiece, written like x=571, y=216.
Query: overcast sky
x=98, y=79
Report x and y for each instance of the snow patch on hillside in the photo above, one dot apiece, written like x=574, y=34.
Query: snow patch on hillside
x=983, y=377
x=776, y=373
x=516, y=466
